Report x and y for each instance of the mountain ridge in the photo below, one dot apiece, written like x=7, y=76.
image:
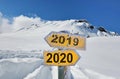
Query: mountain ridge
x=73, y=26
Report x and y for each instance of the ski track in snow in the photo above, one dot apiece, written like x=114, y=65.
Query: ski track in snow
x=30, y=68
x=24, y=66
x=17, y=68
x=43, y=72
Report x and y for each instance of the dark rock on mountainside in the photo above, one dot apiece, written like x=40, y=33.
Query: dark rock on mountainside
x=102, y=29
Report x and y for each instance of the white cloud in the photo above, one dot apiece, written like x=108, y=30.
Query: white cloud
x=24, y=21
x=5, y=25
x=0, y=21
x=0, y=18
x=18, y=22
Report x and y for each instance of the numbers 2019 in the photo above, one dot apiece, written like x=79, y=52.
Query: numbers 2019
x=63, y=39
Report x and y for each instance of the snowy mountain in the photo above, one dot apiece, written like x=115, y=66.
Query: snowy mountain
x=73, y=26
x=21, y=52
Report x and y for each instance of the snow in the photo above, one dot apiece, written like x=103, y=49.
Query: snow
x=42, y=72
x=17, y=68
x=102, y=55
x=26, y=68
x=21, y=53
x=81, y=73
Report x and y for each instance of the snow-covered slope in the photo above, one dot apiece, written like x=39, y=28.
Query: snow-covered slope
x=19, y=52
x=74, y=26
x=102, y=55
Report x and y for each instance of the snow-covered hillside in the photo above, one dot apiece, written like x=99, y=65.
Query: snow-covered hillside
x=74, y=26
x=21, y=52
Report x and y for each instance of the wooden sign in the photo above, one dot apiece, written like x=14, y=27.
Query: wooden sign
x=65, y=40
x=61, y=57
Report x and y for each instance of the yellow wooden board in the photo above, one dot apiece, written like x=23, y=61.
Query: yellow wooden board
x=60, y=57
x=65, y=40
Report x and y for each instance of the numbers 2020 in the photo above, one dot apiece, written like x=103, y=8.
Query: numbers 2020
x=56, y=58
x=62, y=40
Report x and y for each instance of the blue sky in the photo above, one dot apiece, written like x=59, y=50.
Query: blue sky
x=98, y=12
